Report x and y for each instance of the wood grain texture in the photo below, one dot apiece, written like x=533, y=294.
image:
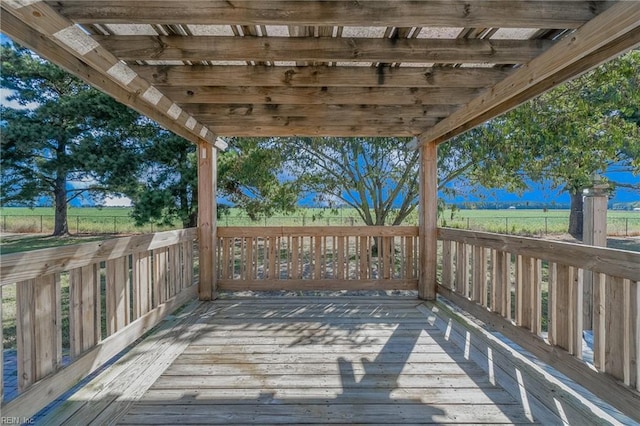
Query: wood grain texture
x=23, y=266
x=602, y=385
x=303, y=258
x=206, y=220
x=428, y=221
x=325, y=360
x=319, y=76
x=322, y=49
x=43, y=392
x=324, y=130
x=320, y=96
x=620, y=263
x=402, y=13
x=328, y=111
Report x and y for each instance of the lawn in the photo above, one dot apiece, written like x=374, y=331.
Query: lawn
x=117, y=220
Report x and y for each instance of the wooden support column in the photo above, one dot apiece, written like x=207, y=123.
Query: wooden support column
x=594, y=234
x=428, y=221
x=207, y=156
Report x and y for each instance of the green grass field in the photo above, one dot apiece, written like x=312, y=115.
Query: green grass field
x=117, y=220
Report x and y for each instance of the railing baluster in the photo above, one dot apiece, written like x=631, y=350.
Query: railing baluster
x=117, y=295
x=84, y=311
x=447, y=264
x=25, y=323
x=39, y=328
x=614, y=323
x=462, y=270
x=317, y=256
x=479, y=275
x=341, y=258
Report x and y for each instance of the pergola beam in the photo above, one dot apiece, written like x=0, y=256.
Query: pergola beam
x=328, y=112
x=613, y=32
x=326, y=129
x=319, y=76
x=400, y=13
x=320, y=96
x=322, y=49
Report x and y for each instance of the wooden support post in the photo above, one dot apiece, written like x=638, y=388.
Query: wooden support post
x=595, y=234
x=428, y=221
x=207, y=155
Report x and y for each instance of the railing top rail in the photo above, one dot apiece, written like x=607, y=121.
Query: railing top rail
x=619, y=263
x=22, y=266
x=336, y=231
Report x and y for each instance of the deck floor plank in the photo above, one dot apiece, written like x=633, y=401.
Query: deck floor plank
x=322, y=361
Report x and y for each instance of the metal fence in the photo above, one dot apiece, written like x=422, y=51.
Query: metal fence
x=517, y=225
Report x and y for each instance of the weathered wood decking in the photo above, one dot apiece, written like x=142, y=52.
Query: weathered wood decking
x=269, y=361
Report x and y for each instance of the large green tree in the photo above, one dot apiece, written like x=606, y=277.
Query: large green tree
x=250, y=176
x=378, y=177
x=168, y=184
x=66, y=140
x=580, y=130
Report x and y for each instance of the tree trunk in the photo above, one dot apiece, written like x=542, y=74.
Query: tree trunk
x=60, y=193
x=576, y=215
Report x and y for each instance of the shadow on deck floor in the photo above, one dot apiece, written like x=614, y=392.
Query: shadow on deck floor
x=299, y=360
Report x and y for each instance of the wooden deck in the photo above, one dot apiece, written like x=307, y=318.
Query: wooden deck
x=270, y=361
x=307, y=361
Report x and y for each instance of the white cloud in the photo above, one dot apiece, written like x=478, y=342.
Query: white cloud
x=116, y=201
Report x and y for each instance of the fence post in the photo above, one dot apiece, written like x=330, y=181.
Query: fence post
x=626, y=226
x=114, y=224
x=546, y=226
x=4, y=221
x=77, y=224
x=468, y=226
x=41, y=224
x=506, y=225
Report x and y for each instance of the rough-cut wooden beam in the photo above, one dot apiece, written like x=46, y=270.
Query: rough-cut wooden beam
x=355, y=130
x=399, y=13
x=428, y=221
x=297, y=121
x=319, y=76
x=207, y=180
x=322, y=49
x=43, y=20
x=318, y=96
x=355, y=112
x=613, y=32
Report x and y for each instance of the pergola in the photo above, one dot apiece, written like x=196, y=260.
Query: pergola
x=428, y=69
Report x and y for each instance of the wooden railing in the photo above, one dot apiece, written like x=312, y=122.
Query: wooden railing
x=534, y=290
x=318, y=258
x=97, y=298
